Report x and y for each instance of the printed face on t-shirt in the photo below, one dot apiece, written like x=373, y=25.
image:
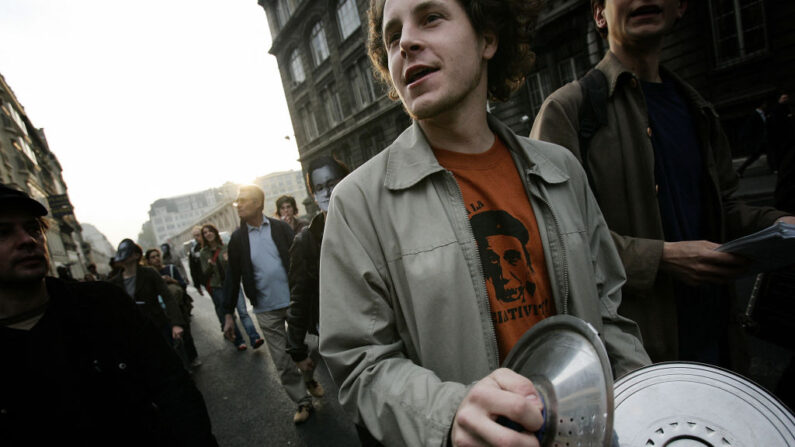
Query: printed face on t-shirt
x=507, y=268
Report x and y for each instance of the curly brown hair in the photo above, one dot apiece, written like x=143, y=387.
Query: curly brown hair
x=513, y=21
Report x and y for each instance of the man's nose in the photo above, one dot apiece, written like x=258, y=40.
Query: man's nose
x=410, y=40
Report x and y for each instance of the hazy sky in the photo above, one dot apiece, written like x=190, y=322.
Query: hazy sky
x=147, y=99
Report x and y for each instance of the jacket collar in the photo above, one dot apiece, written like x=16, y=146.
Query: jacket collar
x=616, y=72
x=410, y=158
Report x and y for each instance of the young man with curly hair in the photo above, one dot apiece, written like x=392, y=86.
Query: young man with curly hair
x=411, y=326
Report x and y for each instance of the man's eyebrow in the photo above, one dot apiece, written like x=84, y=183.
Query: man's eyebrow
x=418, y=9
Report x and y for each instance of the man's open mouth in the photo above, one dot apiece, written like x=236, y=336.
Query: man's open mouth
x=646, y=10
x=415, y=74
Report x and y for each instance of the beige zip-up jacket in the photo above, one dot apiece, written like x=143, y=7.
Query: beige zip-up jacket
x=405, y=323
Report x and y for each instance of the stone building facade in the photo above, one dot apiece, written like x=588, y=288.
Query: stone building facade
x=171, y=215
x=735, y=52
x=336, y=105
x=27, y=164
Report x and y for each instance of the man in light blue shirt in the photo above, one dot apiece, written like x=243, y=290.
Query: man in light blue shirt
x=259, y=256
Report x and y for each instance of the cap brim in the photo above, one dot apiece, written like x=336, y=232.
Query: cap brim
x=24, y=204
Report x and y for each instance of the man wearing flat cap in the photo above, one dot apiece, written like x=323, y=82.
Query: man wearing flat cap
x=81, y=365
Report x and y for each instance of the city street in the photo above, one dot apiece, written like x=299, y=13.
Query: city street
x=247, y=405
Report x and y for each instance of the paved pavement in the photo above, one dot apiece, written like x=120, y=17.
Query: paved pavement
x=247, y=405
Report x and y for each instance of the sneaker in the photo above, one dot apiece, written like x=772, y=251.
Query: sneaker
x=257, y=343
x=241, y=347
x=195, y=363
x=315, y=388
x=302, y=413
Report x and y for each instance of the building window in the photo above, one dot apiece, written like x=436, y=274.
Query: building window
x=348, y=17
x=538, y=89
x=362, y=81
x=738, y=29
x=24, y=147
x=570, y=69
x=318, y=43
x=331, y=101
x=297, y=67
x=12, y=112
x=308, y=123
x=284, y=9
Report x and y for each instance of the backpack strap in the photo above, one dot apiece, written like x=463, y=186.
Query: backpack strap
x=593, y=114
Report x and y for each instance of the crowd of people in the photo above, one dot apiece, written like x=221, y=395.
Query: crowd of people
x=428, y=263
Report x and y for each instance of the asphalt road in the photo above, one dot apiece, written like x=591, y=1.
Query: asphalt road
x=247, y=405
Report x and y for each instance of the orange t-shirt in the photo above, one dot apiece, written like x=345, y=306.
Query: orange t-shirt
x=509, y=244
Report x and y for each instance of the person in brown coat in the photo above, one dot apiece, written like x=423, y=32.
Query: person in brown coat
x=662, y=174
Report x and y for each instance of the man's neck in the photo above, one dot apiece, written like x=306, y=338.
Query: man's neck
x=459, y=131
x=255, y=221
x=641, y=59
x=129, y=270
x=19, y=298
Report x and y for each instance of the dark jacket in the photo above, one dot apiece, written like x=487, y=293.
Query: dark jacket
x=304, y=277
x=94, y=371
x=195, y=265
x=240, y=266
x=148, y=285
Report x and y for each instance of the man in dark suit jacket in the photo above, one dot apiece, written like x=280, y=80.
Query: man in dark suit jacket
x=259, y=255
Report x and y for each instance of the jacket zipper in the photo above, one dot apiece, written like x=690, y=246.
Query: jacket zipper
x=565, y=264
x=489, y=324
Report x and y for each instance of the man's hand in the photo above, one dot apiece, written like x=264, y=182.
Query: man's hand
x=501, y=393
x=169, y=280
x=229, y=327
x=306, y=364
x=176, y=332
x=199, y=289
x=696, y=262
x=787, y=219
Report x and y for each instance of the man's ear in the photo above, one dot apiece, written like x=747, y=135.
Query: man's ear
x=491, y=42
x=599, y=17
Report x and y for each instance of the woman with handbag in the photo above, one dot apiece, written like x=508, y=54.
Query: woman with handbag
x=214, y=263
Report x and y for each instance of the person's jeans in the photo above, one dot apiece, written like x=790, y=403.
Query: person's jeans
x=248, y=323
x=217, y=295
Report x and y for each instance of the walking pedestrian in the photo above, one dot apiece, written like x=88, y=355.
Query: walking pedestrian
x=259, y=256
x=304, y=275
x=287, y=210
x=447, y=246
x=215, y=268
x=178, y=288
x=661, y=171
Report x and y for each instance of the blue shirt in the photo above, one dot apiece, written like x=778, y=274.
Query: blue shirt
x=679, y=171
x=270, y=278
x=678, y=166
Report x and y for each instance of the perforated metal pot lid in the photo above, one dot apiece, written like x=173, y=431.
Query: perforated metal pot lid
x=677, y=404
x=568, y=365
